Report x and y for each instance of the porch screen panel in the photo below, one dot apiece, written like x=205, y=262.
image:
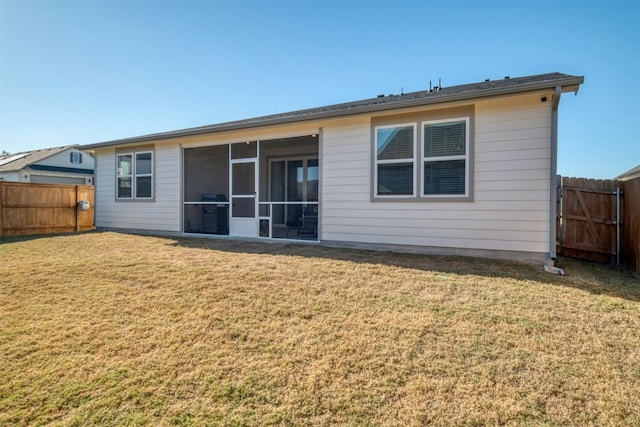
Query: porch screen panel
x=244, y=179
x=312, y=180
x=206, y=173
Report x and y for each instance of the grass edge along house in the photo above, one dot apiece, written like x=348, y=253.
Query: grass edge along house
x=467, y=169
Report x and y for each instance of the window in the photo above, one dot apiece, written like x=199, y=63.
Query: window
x=75, y=157
x=395, y=153
x=445, y=158
x=428, y=166
x=134, y=175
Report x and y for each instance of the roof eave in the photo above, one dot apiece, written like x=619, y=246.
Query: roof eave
x=570, y=84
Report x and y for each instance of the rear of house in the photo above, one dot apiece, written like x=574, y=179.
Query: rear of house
x=468, y=169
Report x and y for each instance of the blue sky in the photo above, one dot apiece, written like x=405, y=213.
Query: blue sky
x=85, y=72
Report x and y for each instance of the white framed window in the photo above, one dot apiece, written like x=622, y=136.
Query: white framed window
x=424, y=160
x=395, y=151
x=445, y=158
x=134, y=175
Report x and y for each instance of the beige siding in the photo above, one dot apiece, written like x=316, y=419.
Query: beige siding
x=510, y=210
x=162, y=213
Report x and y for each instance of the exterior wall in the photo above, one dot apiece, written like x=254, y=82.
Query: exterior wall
x=163, y=213
x=510, y=210
x=62, y=160
x=9, y=176
x=55, y=179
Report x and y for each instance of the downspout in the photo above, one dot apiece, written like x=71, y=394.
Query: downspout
x=553, y=177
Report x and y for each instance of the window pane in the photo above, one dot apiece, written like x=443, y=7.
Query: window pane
x=143, y=186
x=76, y=157
x=444, y=177
x=395, y=143
x=445, y=139
x=395, y=179
x=143, y=163
x=124, y=187
x=124, y=165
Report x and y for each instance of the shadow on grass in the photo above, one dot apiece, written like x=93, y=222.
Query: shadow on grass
x=30, y=237
x=583, y=275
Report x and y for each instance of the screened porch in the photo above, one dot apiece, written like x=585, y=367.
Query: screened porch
x=266, y=189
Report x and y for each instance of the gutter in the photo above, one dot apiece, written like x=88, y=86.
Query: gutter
x=553, y=174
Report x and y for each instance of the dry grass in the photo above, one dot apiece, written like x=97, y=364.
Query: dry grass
x=115, y=329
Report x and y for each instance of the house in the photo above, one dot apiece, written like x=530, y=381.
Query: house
x=468, y=169
x=632, y=173
x=59, y=165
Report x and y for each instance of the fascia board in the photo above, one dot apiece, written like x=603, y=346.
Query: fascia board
x=568, y=85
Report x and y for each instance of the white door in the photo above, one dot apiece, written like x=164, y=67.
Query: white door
x=244, y=181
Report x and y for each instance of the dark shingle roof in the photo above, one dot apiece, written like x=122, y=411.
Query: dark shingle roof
x=381, y=103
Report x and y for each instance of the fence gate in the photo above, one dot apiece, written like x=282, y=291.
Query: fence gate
x=590, y=219
x=28, y=208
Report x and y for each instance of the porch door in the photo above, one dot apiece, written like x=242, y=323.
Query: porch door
x=244, y=220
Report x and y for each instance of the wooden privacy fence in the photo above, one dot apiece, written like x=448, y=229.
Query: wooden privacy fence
x=598, y=220
x=27, y=208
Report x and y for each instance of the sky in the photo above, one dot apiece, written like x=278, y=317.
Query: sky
x=82, y=72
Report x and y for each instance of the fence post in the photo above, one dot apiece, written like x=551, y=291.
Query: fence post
x=1, y=207
x=559, y=213
x=77, y=211
x=618, y=226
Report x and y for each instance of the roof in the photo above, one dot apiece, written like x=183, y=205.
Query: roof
x=630, y=174
x=18, y=161
x=487, y=88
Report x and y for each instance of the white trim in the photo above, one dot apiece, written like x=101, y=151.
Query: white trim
x=133, y=175
x=464, y=157
x=407, y=160
x=244, y=226
x=120, y=175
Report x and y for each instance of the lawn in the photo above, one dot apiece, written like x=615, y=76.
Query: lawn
x=113, y=329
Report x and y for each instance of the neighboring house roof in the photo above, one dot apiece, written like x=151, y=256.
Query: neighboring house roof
x=567, y=83
x=29, y=160
x=630, y=174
